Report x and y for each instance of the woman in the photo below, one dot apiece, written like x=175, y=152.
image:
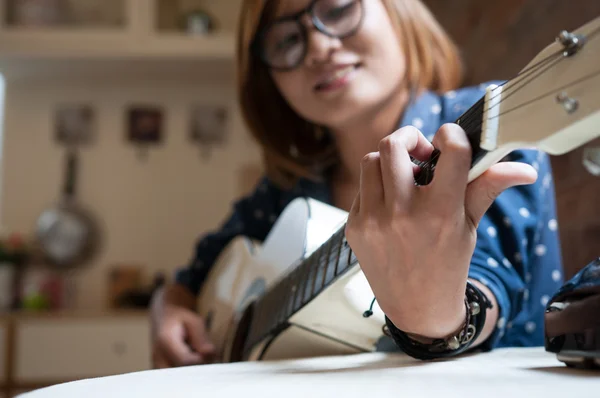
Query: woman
x=340, y=94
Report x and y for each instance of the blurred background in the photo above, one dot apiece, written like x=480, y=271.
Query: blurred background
x=121, y=143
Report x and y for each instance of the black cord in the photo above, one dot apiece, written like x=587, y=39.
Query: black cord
x=369, y=312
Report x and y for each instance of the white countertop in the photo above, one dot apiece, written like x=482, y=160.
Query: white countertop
x=506, y=373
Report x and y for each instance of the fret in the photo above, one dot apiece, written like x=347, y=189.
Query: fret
x=344, y=260
x=310, y=279
x=302, y=281
x=287, y=287
x=341, y=239
x=315, y=277
x=320, y=274
x=471, y=122
x=293, y=292
x=342, y=264
x=325, y=263
x=334, y=254
x=352, y=260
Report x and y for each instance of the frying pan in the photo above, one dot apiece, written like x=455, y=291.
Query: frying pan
x=67, y=233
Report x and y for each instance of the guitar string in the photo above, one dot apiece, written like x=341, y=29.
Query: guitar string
x=527, y=72
x=577, y=81
x=472, y=121
x=475, y=121
x=580, y=80
x=560, y=55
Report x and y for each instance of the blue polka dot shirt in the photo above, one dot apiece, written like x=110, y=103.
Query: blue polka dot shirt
x=517, y=254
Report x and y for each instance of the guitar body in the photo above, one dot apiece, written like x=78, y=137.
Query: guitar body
x=331, y=324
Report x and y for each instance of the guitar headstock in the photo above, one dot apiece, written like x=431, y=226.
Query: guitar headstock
x=554, y=103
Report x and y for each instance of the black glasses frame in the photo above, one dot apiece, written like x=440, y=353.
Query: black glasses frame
x=257, y=42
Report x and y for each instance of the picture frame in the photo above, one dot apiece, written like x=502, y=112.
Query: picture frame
x=145, y=124
x=74, y=124
x=208, y=125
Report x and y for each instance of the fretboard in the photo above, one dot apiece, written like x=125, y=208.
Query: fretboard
x=307, y=280
x=471, y=122
x=310, y=276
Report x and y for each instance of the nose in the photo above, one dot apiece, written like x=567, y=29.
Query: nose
x=319, y=46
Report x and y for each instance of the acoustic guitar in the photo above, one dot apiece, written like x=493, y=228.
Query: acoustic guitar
x=301, y=292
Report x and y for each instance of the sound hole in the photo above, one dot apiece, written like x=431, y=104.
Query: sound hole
x=241, y=335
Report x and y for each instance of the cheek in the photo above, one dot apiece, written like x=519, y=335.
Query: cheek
x=381, y=48
x=294, y=88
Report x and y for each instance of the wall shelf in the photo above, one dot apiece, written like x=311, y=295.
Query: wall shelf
x=138, y=45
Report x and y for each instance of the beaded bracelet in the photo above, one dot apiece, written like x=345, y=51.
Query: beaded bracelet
x=476, y=304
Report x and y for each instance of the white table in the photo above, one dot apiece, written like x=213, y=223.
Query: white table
x=506, y=373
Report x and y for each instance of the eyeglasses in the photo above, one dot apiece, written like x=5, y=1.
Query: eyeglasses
x=282, y=44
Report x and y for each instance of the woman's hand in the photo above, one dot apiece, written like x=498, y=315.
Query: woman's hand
x=178, y=335
x=414, y=243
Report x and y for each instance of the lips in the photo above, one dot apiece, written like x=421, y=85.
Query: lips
x=330, y=78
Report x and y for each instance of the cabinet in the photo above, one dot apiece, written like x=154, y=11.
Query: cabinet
x=50, y=349
x=139, y=38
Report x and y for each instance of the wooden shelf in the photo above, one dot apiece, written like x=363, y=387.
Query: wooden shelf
x=136, y=49
x=24, y=44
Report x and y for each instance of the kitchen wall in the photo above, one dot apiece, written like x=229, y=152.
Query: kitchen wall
x=152, y=210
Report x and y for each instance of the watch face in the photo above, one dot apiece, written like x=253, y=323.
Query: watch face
x=63, y=235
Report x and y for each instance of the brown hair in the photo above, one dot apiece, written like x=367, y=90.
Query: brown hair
x=432, y=60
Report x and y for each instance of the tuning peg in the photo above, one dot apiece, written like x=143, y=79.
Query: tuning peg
x=571, y=42
x=591, y=160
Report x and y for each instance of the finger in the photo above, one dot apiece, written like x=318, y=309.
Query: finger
x=453, y=165
x=160, y=362
x=355, y=208
x=178, y=353
x=397, y=169
x=197, y=337
x=482, y=191
x=371, y=183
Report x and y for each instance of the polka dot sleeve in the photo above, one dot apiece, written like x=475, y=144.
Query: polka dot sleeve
x=251, y=216
x=518, y=257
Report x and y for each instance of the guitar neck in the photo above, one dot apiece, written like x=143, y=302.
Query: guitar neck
x=305, y=282
x=331, y=260
x=471, y=122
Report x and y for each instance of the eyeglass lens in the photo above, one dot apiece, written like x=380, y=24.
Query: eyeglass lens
x=284, y=43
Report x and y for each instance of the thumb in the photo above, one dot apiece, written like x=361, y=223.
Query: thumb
x=482, y=191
